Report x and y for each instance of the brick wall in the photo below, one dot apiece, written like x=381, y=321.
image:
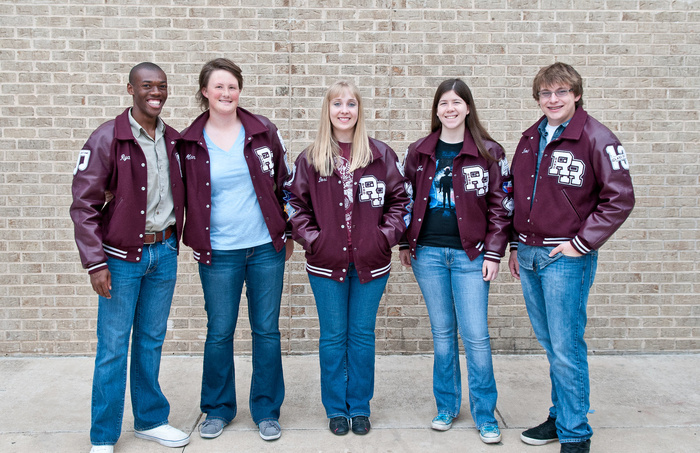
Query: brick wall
x=63, y=67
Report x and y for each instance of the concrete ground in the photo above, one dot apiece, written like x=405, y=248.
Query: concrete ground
x=638, y=404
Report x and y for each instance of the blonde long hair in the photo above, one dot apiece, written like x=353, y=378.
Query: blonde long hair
x=325, y=148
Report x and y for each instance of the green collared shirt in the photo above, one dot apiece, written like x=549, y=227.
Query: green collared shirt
x=159, y=205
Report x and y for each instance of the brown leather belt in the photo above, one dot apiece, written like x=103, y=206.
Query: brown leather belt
x=152, y=238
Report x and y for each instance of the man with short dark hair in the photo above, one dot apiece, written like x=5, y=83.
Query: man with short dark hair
x=572, y=190
x=129, y=245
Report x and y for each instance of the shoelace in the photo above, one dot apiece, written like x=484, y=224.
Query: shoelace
x=489, y=430
x=207, y=423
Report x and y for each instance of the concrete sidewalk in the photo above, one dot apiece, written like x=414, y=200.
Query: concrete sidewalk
x=638, y=403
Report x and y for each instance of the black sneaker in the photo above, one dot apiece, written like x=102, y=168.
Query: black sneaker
x=576, y=447
x=360, y=425
x=542, y=434
x=339, y=426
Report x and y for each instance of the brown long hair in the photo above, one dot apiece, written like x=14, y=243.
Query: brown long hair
x=478, y=131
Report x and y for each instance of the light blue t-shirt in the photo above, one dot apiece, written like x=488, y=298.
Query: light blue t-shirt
x=236, y=219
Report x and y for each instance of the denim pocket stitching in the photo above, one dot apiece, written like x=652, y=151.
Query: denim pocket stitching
x=167, y=243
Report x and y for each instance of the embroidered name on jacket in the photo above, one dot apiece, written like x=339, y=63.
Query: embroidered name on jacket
x=372, y=190
x=566, y=168
x=476, y=179
x=265, y=156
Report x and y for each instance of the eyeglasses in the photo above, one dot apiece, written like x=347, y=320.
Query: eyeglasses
x=548, y=94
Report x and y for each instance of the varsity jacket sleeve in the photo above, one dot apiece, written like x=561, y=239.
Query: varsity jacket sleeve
x=299, y=209
x=397, y=215
x=91, y=178
x=499, y=200
x=282, y=173
x=410, y=160
x=513, y=234
x=616, y=194
x=513, y=240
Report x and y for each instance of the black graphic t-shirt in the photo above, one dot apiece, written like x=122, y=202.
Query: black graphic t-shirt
x=440, y=222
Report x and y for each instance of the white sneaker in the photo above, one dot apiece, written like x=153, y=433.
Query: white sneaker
x=102, y=449
x=165, y=435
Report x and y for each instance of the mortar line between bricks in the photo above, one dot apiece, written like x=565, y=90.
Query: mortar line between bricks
x=287, y=272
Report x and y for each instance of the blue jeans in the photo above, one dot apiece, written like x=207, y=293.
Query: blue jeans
x=556, y=293
x=262, y=269
x=141, y=296
x=457, y=298
x=347, y=314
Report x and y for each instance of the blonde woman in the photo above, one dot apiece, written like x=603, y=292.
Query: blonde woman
x=348, y=207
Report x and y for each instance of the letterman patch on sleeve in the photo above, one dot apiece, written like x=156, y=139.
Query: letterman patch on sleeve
x=288, y=208
x=292, y=174
x=503, y=163
x=509, y=205
x=618, y=157
x=83, y=159
x=508, y=187
x=284, y=149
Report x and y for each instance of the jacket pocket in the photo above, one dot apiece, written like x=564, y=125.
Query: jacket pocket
x=382, y=243
x=571, y=205
x=316, y=245
x=109, y=211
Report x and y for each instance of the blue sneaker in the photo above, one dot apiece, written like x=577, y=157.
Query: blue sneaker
x=270, y=429
x=442, y=422
x=490, y=434
x=211, y=428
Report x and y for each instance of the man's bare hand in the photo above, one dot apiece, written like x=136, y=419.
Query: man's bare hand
x=513, y=264
x=102, y=283
x=405, y=257
x=288, y=249
x=565, y=249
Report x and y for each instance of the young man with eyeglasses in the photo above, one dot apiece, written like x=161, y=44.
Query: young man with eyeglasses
x=572, y=190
